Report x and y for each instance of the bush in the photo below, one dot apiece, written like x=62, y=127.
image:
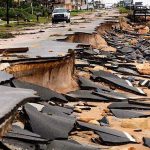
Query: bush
x=13, y=12
x=28, y=10
x=6, y=35
x=25, y=13
x=77, y=12
x=2, y=12
x=123, y=10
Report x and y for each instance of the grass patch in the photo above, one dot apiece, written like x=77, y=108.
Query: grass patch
x=44, y=20
x=14, y=26
x=123, y=10
x=20, y=25
x=26, y=19
x=6, y=35
x=77, y=12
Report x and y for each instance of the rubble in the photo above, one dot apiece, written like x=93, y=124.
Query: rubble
x=127, y=105
x=67, y=145
x=56, y=110
x=119, y=113
x=146, y=141
x=84, y=95
x=25, y=135
x=17, y=144
x=96, y=81
x=50, y=127
x=108, y=135
x=115, y=80
x=44, y=93
x=11, y=99
x=104, y=121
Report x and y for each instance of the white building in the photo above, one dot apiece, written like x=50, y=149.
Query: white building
x=145, y=2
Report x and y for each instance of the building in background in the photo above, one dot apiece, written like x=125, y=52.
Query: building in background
x=69, y=4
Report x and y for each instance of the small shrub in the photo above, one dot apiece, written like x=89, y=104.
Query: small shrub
x=6, y=35
x=123, y=10
x=2, y=12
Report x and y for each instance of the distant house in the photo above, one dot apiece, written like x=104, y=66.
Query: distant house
x=128, y=2
x=69, y=4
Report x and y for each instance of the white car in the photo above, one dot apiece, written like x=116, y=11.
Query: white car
x=108, y=5
x=60, y=14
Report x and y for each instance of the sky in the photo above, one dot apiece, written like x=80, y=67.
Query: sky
x=145, y=2
x=109, y=1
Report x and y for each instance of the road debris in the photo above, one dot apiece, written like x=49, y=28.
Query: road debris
x=86, y=89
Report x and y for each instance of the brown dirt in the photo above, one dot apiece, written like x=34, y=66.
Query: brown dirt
x=141, y=123
x=124, y=25
x=57, y=75
x=95, y=40
x=105, y=27
x=143, y=68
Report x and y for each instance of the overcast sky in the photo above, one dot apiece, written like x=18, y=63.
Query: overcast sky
x=110, y=1
x=145, y=2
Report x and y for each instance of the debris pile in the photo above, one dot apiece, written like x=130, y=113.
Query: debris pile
x=110, y=108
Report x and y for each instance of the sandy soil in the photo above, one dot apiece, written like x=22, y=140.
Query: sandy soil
x=98, y=112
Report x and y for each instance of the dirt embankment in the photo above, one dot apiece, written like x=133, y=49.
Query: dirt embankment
x=105, y=27
x=94, y=39
x=55, y=75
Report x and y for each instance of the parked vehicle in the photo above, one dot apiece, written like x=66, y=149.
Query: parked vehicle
x=60, y=14
x=108, y=5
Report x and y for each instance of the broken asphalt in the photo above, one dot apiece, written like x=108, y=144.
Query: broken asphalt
x=104, y=99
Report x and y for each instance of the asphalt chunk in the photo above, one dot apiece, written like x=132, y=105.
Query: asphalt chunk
x=50, y=127
x=85, y=95
x=107, y=135
x=128, y=106
x=115, y=80
x=119, y=113
x=45, y=93
x=57, y=110
x=146, y=141
x=24, y=135
x=68, y=145
x=11, y=99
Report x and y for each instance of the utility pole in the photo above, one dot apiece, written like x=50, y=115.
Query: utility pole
x=19, y=3
x=32, y=7
x=7, y=11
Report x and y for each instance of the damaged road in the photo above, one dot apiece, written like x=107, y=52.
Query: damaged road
x=86, y=89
